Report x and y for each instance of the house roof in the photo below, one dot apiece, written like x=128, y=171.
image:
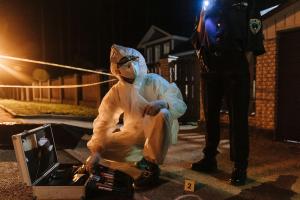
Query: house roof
x=155, y=35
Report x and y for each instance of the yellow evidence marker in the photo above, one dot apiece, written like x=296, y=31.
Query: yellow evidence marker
x=189, y=185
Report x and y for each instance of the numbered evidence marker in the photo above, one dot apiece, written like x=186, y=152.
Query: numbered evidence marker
x=189, y=185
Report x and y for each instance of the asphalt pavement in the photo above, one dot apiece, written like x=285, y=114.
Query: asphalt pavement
x=274, y=169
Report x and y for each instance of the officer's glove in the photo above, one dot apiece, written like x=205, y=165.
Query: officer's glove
x=154, y=107
x=92, y=161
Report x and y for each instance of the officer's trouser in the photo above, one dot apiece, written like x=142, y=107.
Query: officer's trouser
x=228, y=77
x=152, y=140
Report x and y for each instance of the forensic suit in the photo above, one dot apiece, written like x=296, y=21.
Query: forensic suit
x=150, y=133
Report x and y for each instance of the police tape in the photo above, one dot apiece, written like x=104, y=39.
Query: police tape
x=55, y=86
x=53, y=64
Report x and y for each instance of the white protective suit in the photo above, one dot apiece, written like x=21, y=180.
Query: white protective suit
x=152, y=134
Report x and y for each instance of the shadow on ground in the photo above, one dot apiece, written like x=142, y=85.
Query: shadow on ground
x=278, y=189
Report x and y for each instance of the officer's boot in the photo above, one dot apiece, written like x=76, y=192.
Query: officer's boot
x=206, y=165
x=239, y=174
x=149, y=176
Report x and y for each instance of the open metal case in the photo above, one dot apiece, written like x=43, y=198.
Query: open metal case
x=39, y=167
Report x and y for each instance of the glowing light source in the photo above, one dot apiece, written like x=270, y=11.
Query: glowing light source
x=205, y=4
x=263, y=12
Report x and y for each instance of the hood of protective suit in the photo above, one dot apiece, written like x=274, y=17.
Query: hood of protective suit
x=136, y=69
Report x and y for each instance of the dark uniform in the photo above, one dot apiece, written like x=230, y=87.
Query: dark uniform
x=227, y=31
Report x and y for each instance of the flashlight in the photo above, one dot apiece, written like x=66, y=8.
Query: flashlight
x=205, y=4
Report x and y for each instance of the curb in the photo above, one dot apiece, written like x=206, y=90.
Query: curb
x=8, y=110
x=69, y=117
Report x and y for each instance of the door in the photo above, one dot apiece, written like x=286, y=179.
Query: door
x=288, y=124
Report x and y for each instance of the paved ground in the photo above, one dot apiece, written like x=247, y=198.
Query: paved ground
x=274, y=171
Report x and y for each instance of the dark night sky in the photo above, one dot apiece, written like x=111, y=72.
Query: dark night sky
x=82, y=31
x=78, y=32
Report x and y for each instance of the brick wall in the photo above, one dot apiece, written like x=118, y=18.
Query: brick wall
x=164, y=66
x=266, y=79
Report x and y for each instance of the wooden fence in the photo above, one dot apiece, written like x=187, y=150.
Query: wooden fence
x=89, y=96
x=185, y=72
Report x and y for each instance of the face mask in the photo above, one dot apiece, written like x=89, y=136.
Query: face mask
x=128, y=70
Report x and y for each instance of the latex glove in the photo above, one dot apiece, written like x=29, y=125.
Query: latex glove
x=154, y=107
x=92, y=161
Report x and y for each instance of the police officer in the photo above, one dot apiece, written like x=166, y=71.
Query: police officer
x=228, y=36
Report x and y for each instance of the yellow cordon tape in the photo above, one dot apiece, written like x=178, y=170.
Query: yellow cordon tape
x=55, y=86
x=55, y=65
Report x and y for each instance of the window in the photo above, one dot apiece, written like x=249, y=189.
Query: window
x=167, y=48
x=157, y=53
x=149, y=55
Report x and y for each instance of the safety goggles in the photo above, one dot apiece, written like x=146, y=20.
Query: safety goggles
x=125, y=61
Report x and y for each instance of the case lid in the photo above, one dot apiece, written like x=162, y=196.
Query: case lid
x=39, y=152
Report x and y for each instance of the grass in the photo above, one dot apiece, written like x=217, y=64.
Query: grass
x=37, y=108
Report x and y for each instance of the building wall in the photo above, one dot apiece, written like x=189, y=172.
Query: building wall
x=267, y=65
x=266, y=91
x=287, y=18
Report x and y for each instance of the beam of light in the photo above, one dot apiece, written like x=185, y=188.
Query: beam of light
x=16, y=74
x=53, y=64
x=55, y=86
x=263, y=12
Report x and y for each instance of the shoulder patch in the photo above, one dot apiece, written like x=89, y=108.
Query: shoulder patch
x=255, y=25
